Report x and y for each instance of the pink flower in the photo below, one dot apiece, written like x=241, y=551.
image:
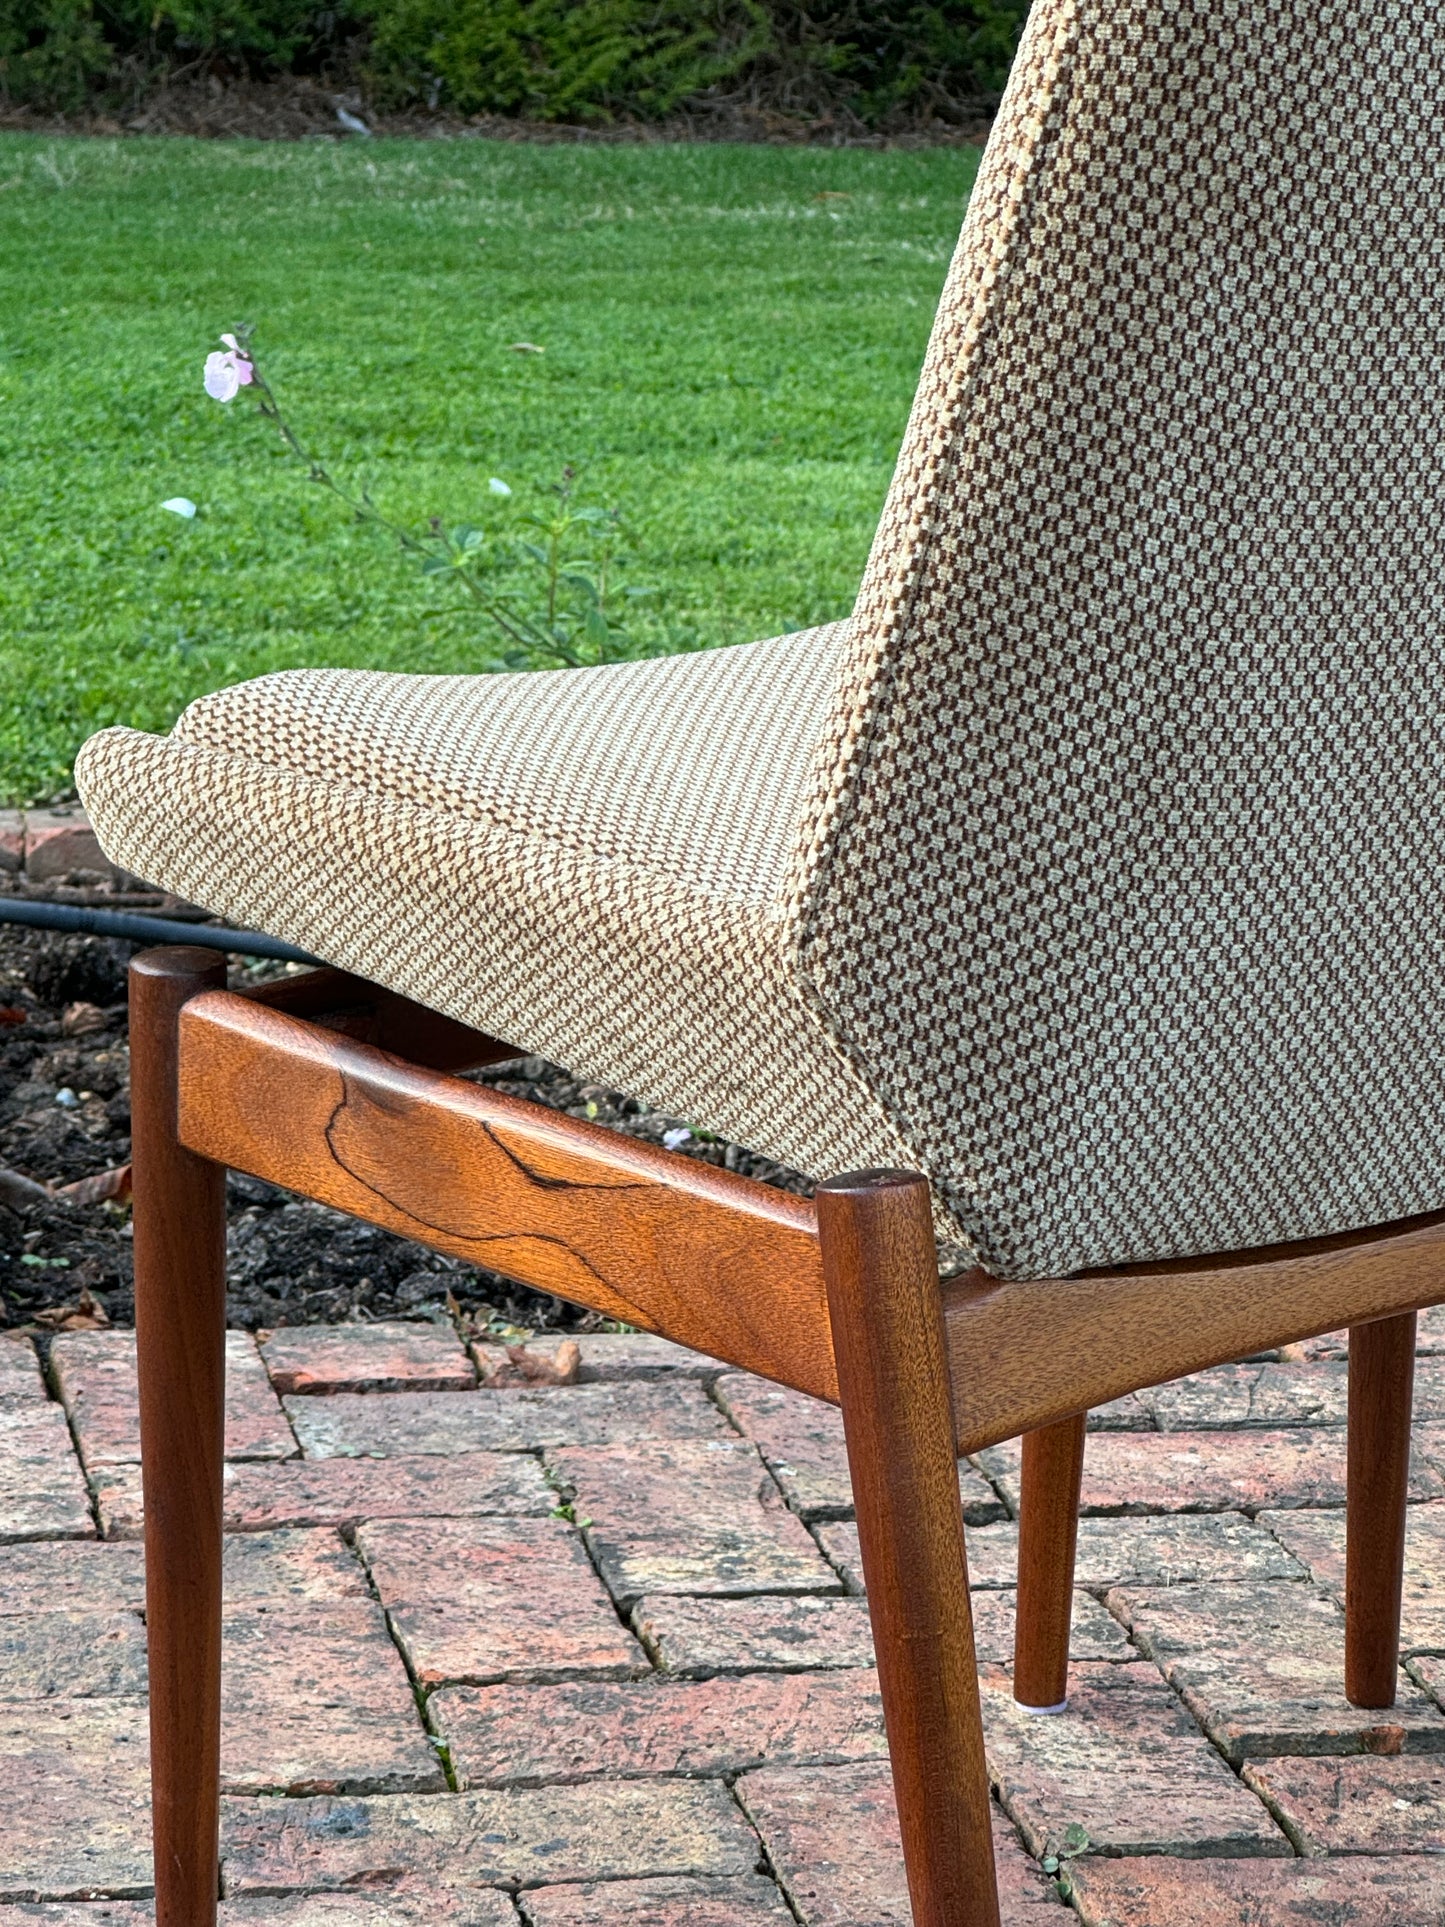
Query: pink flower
x=229, y=372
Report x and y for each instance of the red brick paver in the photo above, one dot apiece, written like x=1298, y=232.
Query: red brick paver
x=1361, y=1805
x=596, y=1655
x=355, y=1426
x=270, y=1568
x=291, y=1567
x=1094, y=1633
x=1167, y=1550
x=607, y=1356
x=95, y=1372
x=343, y=1492
x=530, y=1735
x=474, y=1909
x=19, y=1369
x=1262, y=1669
x=700, y=1637
x=84, y=1577
x=833, y=1836
x=801, y=1439
x=294, y=1717
x=688, y=1516
x=528, y=1837
x=492, y=1599
x=390, y=1356
x=1125, y=1763
x=1274, y=1394
x=42, y=1490
x=1249, y=1470
x=1270, y=1893
x=71, y=1655
x=479, y=1908
x=74, y=1799
x=749, y=1901
x=1317, y=1539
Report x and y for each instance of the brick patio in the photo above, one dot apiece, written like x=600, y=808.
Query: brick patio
x=596, y=1656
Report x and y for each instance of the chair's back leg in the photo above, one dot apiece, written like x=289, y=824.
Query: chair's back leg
x=1053, y=1466
x=180, y=1315
x=1382, y=1381
x=881, y=1268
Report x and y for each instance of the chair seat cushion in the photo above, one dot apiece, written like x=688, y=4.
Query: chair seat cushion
x=693, y=766
x=588, y=863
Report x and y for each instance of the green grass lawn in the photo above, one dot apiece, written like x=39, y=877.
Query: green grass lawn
x=731, y=339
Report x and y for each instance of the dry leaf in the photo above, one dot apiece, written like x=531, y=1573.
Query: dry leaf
x=85, y=1315
x=535, y=1368
x=105, y=1187
x=80, y=1019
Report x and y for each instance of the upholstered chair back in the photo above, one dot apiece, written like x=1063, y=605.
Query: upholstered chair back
x=1123, y=879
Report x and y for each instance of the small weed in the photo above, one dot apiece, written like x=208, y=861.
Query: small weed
x=1074, y=1841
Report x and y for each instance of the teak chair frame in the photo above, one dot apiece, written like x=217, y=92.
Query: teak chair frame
x=341, y=1092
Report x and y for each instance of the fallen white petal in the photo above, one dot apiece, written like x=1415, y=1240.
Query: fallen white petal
x=181, y=505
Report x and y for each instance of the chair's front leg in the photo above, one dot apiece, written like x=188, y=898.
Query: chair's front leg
x=881, y=1268
x=180, y=1315
x=1382, y=1383
x=1053, y=1466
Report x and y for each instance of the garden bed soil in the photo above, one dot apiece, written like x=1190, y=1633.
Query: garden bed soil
x=65, y=1264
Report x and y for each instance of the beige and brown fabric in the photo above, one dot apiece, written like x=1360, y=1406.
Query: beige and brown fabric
x=1097, y=865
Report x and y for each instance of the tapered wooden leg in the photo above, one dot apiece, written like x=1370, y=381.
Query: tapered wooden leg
x=1382, y=1383
x=1053, y=1465
x=180, y=1316
x=881, y=1268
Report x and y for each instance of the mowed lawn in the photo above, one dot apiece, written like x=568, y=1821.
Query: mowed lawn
x=731, y=337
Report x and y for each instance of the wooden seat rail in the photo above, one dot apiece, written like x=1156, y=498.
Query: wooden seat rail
x=300, y=1086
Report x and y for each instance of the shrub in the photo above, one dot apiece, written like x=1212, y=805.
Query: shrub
x=561, y=59
x=265, y=33
x=891, y=57
x=51, y=51
x=595, y=59
x=54, y=52
x=880, y=61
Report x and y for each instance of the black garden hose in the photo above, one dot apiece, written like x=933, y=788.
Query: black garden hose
x=147, y=930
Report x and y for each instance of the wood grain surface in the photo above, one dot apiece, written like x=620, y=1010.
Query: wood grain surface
x=180, y=1319
x=365, y=1011
x=1025, y=1354
x=882, y=1271
x=718, y=1262
x=1382, y=1388
x=1049, y=1481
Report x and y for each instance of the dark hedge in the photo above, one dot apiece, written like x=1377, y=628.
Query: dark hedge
x=882, y=63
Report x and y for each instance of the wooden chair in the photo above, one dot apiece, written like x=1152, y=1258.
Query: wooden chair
x=348, y=1094
x=1084, y=891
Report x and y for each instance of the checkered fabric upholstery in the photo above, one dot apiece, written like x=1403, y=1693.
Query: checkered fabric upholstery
x=1096, y=866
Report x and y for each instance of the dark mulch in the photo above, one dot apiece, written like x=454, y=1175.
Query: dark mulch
x=65, y=1115
x=296, y=107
